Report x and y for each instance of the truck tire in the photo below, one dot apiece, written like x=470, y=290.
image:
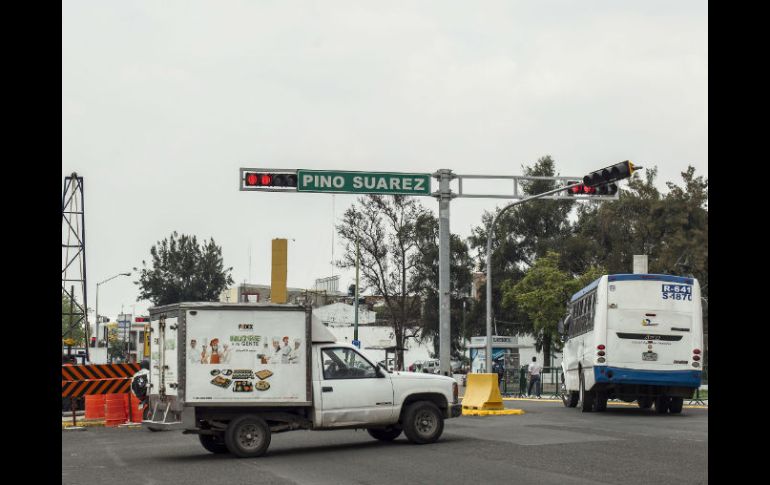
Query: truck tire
x=213, y=443
x=423, y=422
x=386, y=434
x=247, y=436
x=661, y=404
x=586, y=399
x=675, y=405
x=569, y=398
x=644, y=402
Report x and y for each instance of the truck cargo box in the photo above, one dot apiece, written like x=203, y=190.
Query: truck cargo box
x=229, y=354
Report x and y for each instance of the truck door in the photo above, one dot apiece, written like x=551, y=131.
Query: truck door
x=352, y=390
x=163, y=357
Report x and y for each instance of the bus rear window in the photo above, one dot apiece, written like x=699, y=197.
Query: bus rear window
x=650, y=295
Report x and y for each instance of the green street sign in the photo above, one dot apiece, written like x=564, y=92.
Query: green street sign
x=336, y=181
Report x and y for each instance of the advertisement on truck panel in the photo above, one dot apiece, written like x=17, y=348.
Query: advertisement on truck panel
x=245, y=356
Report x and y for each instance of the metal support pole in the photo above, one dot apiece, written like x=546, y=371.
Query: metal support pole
x=355, y=305
x=96, y=329
x=445, y=196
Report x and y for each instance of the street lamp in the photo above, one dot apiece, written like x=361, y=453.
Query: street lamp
x=613, y=173
x=97, y=302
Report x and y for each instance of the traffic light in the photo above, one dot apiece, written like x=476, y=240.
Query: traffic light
x=613, y=173
x=270, y=180
x=583, y=189
x=606, y=189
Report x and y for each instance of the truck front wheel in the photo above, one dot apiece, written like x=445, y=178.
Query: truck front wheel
x=423, y=422
x=213, y=443
x=386, y=434
x=247, y=436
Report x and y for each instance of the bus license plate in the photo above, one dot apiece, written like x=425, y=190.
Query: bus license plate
x=649, y=356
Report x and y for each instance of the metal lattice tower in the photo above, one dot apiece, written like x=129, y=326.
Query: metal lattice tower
x=73, y=273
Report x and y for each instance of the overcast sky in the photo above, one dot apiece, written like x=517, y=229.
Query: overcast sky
x=163, y=102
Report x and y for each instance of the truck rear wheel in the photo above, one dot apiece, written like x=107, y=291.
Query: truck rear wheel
x=661, y=404
x=386, y=434
x=423, y=422
x=213, y=443
x=247, y=436
x=644, y=402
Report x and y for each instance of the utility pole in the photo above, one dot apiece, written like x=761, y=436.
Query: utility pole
x=355, y=304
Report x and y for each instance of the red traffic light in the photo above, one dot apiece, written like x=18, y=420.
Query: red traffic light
x=585, y=189
x=581, y=189
x=271, y=180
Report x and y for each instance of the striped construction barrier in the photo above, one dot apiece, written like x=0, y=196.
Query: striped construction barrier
x=85, y=380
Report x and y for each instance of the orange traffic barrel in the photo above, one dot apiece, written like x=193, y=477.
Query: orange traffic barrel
x=95, y=406
x=115, y=410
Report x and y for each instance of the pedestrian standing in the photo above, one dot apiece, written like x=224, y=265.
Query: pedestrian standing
x=499, y=370
x=534, y=371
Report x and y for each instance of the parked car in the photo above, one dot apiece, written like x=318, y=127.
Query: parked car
x=426, y=366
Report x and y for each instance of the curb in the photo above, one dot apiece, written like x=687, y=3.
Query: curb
x=68, y=424
x=610, y=403
x=492, y=412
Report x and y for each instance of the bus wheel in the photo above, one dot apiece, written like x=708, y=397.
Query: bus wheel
x=586, y=399
x=675, y=406
x=661, y=404
x=601, y=401
x=644, y=402
x=569, y=398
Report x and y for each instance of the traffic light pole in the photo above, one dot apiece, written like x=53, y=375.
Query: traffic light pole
x=413, y=184
x=355, y=305
x=444, y=197
x=490, y=233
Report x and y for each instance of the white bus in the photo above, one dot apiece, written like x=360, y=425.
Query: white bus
x=633, y=337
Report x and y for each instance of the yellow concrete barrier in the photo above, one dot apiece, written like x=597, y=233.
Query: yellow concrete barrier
x=482, y=392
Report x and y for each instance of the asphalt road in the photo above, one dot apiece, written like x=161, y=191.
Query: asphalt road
x=548, y=444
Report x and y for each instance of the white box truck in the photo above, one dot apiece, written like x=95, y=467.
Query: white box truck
x=234, y=374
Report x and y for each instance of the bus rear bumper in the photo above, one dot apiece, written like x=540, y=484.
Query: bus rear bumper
x=619, y=375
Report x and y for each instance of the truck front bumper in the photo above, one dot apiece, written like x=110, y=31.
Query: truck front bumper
x=456, y=410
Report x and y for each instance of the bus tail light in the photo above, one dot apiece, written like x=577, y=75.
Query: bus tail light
x=600, y=347
x=601, y=353
x=696, y=358
x=696, y=351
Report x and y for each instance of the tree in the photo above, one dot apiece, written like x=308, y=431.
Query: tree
x=69, y=327
x=386, y=228
x=542, y=295
x=524, y=233
x=671, y=229
x=183, y=270
x=426, y=280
